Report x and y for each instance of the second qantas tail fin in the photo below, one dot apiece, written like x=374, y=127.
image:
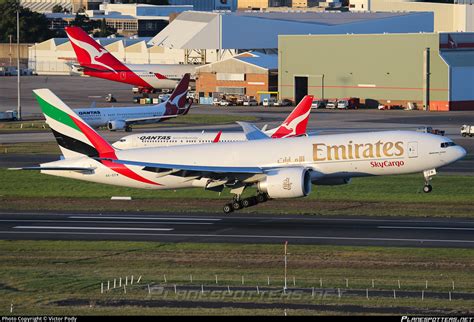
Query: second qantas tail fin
x=91, y=54
x=177, y=100
x=75, y=137
x=297, y=122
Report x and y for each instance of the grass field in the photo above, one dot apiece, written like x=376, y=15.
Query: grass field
x=394, y=195
x=36, y=274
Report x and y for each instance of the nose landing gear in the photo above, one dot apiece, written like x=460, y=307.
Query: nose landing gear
x=238, y=203
x=428, y=174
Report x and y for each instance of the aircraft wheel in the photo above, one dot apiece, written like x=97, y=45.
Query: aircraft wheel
x=261, y=197
x=427, y=188
x=236, y=205
x=128, y=129
x=228, y=208
x=246, y=202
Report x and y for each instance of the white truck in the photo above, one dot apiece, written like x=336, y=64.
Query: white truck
x=9, y=115
x=467, y=130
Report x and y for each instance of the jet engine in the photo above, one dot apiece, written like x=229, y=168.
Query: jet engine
x=116, y=125
x=286, y=183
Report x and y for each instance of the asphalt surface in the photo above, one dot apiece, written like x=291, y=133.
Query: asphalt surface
x=171, y=227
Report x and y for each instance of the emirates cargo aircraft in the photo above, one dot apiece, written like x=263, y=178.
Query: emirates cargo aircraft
x=284, y=168
x=96, y=61
x=294, y=125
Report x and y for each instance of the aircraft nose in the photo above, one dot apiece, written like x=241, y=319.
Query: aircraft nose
x=461, y=151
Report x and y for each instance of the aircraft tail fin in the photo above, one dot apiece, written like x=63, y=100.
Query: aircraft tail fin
x=74, y=136
x=297, y=122
x=90, y=54
x=178, y=99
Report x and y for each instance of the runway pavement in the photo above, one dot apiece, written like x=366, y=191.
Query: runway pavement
x=171, y=227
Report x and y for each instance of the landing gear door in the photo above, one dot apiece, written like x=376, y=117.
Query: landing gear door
x=412, y=149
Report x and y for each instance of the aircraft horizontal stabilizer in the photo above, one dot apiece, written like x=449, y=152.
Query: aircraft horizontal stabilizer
x=252, y=132
x=82, y=169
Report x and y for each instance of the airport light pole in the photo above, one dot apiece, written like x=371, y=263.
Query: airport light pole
x=286, y=265
x=18, y=59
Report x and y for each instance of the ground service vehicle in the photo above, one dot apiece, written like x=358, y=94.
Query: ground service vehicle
x=467, y=130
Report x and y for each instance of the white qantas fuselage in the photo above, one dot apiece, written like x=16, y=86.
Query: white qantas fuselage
x=164, y=139
x=97, y=117
x=172, y=72
x=327, y=156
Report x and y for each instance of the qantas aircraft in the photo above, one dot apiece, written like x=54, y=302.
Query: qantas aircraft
x=294, y=125
x=284, y=168
x=96, y=61
x=121, y=118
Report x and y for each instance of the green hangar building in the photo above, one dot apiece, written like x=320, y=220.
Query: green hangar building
x=434, y=71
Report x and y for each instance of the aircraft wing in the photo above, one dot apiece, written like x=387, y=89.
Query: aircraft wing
x=252, y=132
x=190, y=167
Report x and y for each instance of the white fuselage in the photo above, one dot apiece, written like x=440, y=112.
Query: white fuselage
x=327, y=156
x=97, y=117
x=172, y=72
x=164, y=139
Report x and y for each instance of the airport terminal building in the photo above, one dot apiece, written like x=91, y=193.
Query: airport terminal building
x=435, y=71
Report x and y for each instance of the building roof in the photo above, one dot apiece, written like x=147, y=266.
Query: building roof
x=46, y=6
x=261, y=60
x=247, y=30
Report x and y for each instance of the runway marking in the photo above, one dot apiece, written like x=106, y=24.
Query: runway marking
x=424, y=228
x=261, y=237
x=147, y=218
x=91, y=228
x=106, y=221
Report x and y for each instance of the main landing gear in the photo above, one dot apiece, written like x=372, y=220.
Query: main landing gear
x=238, y=203
x=428, y=174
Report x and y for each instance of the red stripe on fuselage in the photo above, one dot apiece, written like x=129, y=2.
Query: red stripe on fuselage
x=107, y=151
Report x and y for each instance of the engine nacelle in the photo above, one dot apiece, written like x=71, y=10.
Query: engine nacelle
x=286, y=183
x=116, y=125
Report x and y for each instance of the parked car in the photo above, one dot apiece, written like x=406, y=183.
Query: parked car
x=250, y=102
x=318, y=103
x=331, y=104
x=345, y=103
x=216, y=101
x=269, y=101
x=283, y=102
x=225, y=102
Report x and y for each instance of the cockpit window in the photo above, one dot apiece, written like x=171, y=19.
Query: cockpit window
x=446, y=144
x=123, y=140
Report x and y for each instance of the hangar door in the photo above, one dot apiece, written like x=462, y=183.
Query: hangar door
x=301, y=88
x=462, y=79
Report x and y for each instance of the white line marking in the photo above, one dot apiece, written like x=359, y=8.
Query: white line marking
x=90, y=228
x=108, y=222
x=258, y=236
x=138, y=218
x=424, y=228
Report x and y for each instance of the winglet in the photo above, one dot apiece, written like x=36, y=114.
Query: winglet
x=252, y=132
x=218, y=137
